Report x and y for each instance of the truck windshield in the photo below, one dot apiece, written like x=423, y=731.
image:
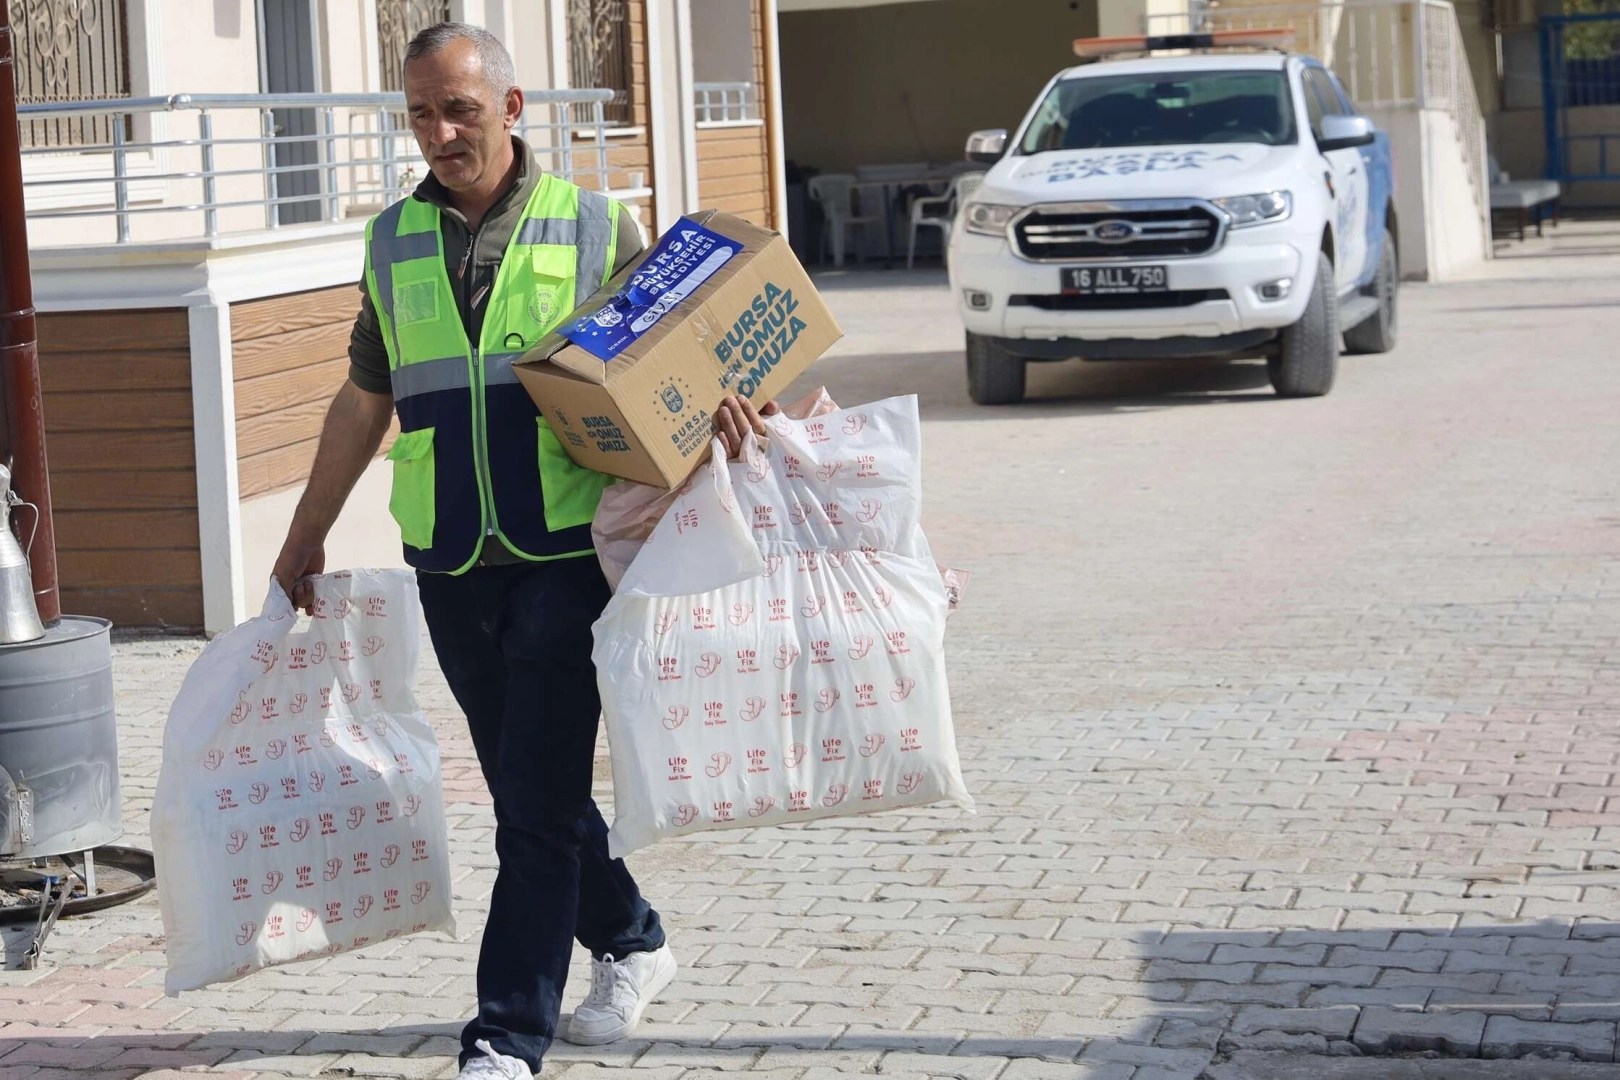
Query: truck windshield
x=1163, y=109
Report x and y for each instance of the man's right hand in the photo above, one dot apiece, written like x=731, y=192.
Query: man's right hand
x=299, y=561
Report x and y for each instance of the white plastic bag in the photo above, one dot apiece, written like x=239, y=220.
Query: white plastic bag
x=776, y=651
x=299, y=811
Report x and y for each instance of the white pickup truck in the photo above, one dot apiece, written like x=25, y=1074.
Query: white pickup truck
x=1219, y=206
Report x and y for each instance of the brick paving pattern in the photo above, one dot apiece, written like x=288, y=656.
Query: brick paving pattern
x=1292, y=727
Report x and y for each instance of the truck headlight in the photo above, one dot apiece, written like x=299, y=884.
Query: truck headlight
x=989, y=219
x=1256, y=209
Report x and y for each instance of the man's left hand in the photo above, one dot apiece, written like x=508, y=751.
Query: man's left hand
x=736, y=418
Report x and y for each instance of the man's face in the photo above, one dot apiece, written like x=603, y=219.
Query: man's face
x=461, y=124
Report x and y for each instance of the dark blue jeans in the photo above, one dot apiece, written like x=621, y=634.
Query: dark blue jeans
x=515, y=646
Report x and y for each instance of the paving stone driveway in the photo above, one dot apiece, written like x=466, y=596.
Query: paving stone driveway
x=1292, y=726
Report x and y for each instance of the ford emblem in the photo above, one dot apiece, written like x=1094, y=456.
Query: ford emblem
x=1114, y=231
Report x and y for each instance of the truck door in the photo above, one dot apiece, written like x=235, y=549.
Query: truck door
x=1349, y=175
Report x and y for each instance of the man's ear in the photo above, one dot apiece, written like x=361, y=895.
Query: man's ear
x=514, y=108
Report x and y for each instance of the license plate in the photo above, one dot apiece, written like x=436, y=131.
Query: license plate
x=1094, y=280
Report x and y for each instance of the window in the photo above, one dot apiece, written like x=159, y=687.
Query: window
x=1168, y=109
x=397, y=22
x=599, y=56
x=70, y=50
x=1321, y=89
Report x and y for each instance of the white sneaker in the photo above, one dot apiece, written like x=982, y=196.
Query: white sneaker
x=493, y=1066
x=621, y=990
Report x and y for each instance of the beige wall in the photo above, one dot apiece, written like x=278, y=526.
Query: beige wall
x=722, y=41
x=913, y=79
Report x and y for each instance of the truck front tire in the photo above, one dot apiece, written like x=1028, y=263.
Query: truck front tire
x=1309, y=351
x=995, y=376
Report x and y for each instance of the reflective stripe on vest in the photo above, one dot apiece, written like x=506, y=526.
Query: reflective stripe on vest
x=475, y=460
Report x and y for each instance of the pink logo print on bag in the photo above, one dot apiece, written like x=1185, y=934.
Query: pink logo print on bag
x=334, y=868
x=795, y=755
x=852, y=602
x=854, y=423
x=297, y=658
x=275, y=748
x=379, y=727
x=298, y=703
x=317, y=781
x=861, y=646
x=213, y=760
x=357, y=816
x=815, y=431
x=866, y=466
x=665, y=622
x=419, y=851
x=306, y=919
x=390, y=903
x=676, y=716
x=722, y=812
x=289, y=787
x=374, y=769
x=225, y=800
x=872, y=744
x=821, y=651
x=362, y=862
x=413, y=803
x=246, y=932
x=903, y=687
x=809, y=563
x=747, y=662
x=334, y=912
x=786, y=655
x=873, y=790
x=390, y=856
x=376, y=607
x=910, y=739
x=669, y=669
x=345, y=652
x=686, y=519
x=241, y=889
x=708, y=665
x=897, y=642
x=258, y=793
x=753, y=709
x=326, y=700
x=714, y=714
x=385, y=811
x=272, y=882
x=835, y=795
x=764, y=517
x=346, y=775
x=237, y=842
x=703, y=618
x=832, y=749
x=790, y=704
x=317, y=655
x=826, y=699
x=779, y=611
x=318, y=609
x=814, y=606
x=328, y=823
x=301, y=743
x=267, y=837
x=740, y=614
x=328, y=736
x=274, y=927
x=376, y=690
x=828, y=470
x=773, y=563
x=758, y=467
x=299, y=831
x=909, y=783
x=757, y=761
x=782, y=426
x=685, y=814
x=341, y=609
x=402, y=762
x=265, y=656
x=244, y=755
x=268, y=709
x=793, y=468
x=831, y=509
x=352, y=692
x=362, y=906
x=763, y=804
x=797, y=514
x=837, y=557
x=870, y=508
x=865, y=695
x=883, y=595
x=718, y=764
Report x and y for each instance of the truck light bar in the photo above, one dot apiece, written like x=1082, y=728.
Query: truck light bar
x=1281, y=38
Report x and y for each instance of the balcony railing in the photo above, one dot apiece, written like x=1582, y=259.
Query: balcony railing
x=725, y=103
x=206, y=165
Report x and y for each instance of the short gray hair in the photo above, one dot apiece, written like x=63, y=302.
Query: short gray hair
x=499, y=72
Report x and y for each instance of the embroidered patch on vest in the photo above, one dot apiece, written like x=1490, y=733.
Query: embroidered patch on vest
x=543, y=305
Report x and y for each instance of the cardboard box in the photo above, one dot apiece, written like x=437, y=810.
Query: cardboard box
x=631, y=381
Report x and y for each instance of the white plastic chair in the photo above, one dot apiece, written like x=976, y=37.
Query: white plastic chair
x=962, y=186
x=835, y=192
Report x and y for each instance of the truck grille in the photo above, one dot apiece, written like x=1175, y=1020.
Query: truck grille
x=1117, y=301
x=1135, y=230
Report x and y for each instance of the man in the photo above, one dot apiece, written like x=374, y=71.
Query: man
x=486, y=257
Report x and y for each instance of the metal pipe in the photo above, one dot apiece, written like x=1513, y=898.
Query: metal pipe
x=205, y=124
x=120, y=179
x=22, y=443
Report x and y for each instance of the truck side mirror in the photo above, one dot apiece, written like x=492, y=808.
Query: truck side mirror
x=988, y=146
x=1345, y=132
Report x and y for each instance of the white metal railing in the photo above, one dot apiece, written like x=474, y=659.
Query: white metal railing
x=1389, y=54
x=725, y=102
x=226, y=162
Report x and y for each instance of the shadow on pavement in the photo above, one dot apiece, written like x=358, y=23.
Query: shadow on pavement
x=1540, y=997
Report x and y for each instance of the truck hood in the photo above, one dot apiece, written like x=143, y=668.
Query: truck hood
x=1206, y=171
